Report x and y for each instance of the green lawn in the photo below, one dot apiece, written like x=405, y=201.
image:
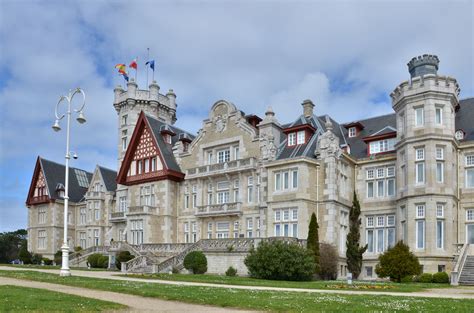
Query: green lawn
x=257, y=299
x=333, y=285
x=22, y=299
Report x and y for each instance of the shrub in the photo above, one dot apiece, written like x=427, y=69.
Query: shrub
x=398, y=262
x=426, y=278
x=279, y=260
x=231, y=271
x=313, y=242
x=196, y=262
x=328, y=261
x=77, y=248
x=407, y=279
x=103, y=261
x=93, y=260
x=58, y=257
x=175, y=270
x=441, y=278
x=122, y=256
x=47, y=261
x=36, y=258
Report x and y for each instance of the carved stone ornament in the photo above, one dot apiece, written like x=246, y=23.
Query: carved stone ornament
x=268, y=147
x=221, y=122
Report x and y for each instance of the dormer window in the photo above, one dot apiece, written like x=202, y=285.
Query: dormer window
x=167, y=138
x=459, y=134
x=300, y=137
x=352, y=132
x=380, y=146
x=291, y=139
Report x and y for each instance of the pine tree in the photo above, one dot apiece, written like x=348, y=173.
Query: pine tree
x=313, y=241
x=354, y=251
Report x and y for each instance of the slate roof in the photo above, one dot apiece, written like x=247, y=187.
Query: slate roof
x=109, y=176
x=465, y=118
x=165, y=148
x=54, y=174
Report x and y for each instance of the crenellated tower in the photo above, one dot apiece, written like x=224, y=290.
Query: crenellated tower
x=129, y=103
x=425, y=106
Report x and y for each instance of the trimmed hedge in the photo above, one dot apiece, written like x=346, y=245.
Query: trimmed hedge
x=196, y=262
x=426, y=278
x=122, y=256
x=98, y=260
x=441, y=278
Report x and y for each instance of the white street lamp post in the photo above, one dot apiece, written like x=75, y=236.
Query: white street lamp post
x=65, y=271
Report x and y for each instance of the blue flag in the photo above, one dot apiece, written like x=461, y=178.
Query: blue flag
x=152, y=64
x=125, y=76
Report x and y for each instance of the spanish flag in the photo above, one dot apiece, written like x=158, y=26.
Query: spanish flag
x=133, y=64
x=121, y=68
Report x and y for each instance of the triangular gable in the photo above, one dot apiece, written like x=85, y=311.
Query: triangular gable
x=143, y=160
x=38, y=192
x=385, y=130
x=95, y=175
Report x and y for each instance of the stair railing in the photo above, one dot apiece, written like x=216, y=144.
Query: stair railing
x=456, y=273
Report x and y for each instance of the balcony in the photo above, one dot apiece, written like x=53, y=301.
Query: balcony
x=95, y=195
x=142, y=209
x=221, y=168
x=117, y=217
x=233, y=208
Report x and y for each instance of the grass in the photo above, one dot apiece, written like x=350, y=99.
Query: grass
x=52, y=267
x=256, y=299
x=22, y=299
x=330, y=285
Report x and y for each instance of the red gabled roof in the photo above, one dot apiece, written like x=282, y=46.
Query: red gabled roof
x=299, y=127
x=30, y=198
x=165, y=173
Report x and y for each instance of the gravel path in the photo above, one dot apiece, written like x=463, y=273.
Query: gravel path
x=450, y=293
x=134, y=303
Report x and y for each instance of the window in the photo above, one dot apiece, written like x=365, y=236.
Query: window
x=222, y=229
x=419, y=117
x=236, y=153
x=286, y=222
x=82, y=216
x=370, y=221
x=470, y=215
x=420, y=154
x=186, y=201
x=209, y=198
x=124, y=140
x=380, y=234
x=41, y=215
x=439, y=116
x=370, y=240
x=283, y=180
x=385, y=184
x=294, y=179
x=136, y=230
x=390, y=171
x=390, y=237
x=470, y=171
x=223, y=197
x=124, y=120
x=420, y=173
x=250, y=189
x=380, y=188
x=123, y=204
x=223, y=156
x=370, y=173
x=194, y=200
x=439, y=172
x=369, y=271
x=41, y=239
x=186, y=232
x=382, y=145
x=209, y=157
x=420, y=234
x=440, y=210
x=82, y=240
x=236, y=229
x=97, y=214
x=249, y=227
x=459, y=134
x=391, y=187
x=209, y=230
x=96, y=237
x=300, y=137
x=439, y=234
x=194, y=230
x=291, y=139
x=278, y=181
x=439, y=153
x=146, y=196
x=420, y=211
x=352, y=132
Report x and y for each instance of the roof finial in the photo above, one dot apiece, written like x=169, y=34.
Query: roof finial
x=328, y=124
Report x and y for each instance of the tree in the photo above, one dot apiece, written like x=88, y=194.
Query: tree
x=279, y=260
x=397, y=263
x=24, y=255
x=10, y=244
x=196, y=262
x=328, y=261
x=313, y=241
x=354, y=251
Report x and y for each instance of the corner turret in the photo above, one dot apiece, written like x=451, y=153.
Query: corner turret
x=423, y=65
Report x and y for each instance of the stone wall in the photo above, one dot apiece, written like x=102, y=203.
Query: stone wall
x=219, y=262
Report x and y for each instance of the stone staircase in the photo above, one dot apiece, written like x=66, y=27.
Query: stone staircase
x=151, y=260
x=467, y=273
x=80, y=258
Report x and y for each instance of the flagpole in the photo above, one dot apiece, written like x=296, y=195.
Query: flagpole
x=147, y=60
x=136, y=71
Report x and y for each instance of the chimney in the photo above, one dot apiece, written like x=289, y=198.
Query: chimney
x=308, y=108
x=423, y=65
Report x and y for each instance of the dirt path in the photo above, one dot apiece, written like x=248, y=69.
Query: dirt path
x=135, y=303
x=450, y=293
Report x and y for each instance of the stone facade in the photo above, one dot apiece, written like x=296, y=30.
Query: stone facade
x=247, y=177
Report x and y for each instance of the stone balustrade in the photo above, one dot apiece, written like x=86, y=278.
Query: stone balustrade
x=219, y=168
x=231, y=208
x=100, y=195
x=142, y=209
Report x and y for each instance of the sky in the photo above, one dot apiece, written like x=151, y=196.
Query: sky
x=346, y=56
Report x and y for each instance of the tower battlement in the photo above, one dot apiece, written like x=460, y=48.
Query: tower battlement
x=423, y=65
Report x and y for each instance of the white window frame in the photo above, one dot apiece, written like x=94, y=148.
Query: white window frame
x=291, y=139
x=440, y=110
x=352, y=132
x=300, y=137
x=439, y=172
x=223, y=156
x=419, y=117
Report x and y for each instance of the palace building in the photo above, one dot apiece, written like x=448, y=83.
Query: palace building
x=243, y=177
